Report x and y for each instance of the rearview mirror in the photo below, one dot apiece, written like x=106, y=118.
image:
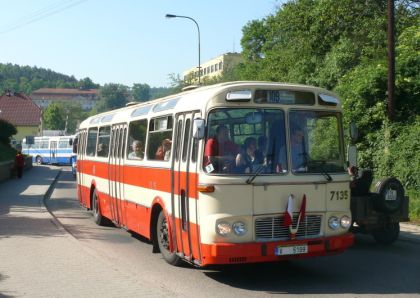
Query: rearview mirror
x=198, y=128
x=253, y=118
x=354, y=132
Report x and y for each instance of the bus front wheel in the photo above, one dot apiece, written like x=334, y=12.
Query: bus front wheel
x=162, y=233
x=38, y=160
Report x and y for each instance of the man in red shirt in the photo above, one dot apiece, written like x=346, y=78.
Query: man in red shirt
x=220, y=152
x=19, y=163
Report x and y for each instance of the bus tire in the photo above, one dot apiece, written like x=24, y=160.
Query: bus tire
x=38, y=160
x=162, y=235
x=387, y=234
x=98, y=218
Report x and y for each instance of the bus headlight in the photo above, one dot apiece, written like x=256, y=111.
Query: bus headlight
x=223, y=228
x=345, y=222
x=333, y=223
x=239, y=228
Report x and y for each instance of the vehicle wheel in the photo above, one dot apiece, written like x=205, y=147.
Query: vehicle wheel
x=387, y=234
x=162, y=233
x=38, y=160
x=97, y=216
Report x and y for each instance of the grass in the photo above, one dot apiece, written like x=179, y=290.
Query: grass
x=6, y=153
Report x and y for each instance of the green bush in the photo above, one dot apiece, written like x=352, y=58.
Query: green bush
x=396, y=150
x=6, y=152
x=7, y=130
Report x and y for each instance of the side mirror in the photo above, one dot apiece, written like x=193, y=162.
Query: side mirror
x=74, y=143
x=198, y=128
x=352, y=156
x=354, y=133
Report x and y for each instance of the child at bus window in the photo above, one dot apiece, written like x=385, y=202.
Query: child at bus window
x=164, y=151
x=220, y=152
x=137, y=152
x=246, y=160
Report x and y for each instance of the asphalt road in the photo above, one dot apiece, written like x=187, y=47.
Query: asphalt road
x=366, y=269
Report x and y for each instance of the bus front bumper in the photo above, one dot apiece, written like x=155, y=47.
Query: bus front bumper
x=256, y=252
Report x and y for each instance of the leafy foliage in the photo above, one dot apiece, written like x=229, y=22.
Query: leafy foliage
x=112, y=96
x=342, y=45
x=27, y=79
x=7, y=130
x=141, y=92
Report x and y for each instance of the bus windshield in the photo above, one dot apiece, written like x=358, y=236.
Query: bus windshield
x=249, y=140
x=315, y=142
x=242, y=141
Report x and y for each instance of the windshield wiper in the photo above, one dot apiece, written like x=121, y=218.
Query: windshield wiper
x=324, y=173
x=257, y=172
x=327, y=176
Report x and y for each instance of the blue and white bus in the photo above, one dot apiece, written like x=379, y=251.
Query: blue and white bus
x=50, y=150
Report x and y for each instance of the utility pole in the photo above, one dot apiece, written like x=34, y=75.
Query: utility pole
x=391, y=60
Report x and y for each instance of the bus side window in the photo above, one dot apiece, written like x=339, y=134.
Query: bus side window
x=91, y=141
x=136, y=138
x=160, y=138
x=103, y=141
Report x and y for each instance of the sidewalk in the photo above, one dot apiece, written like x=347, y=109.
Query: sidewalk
x=39, y=259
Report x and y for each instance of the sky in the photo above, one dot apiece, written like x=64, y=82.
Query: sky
x=123, y=41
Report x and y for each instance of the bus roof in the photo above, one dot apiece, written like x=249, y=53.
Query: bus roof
x=194, y=99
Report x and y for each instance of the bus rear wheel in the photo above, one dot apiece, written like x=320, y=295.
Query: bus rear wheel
x=162, y=233
x=38, y=160
x=97, y=215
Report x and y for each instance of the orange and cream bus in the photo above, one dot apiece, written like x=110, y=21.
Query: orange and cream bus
x=237, y=172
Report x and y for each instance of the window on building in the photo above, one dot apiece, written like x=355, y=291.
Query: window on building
x=220, y=65
x=212, y=68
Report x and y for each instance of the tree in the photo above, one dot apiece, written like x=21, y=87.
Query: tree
x=7, y=130
x=141, y=92
x=87, y=83
x=53, y=117
x=112, y=96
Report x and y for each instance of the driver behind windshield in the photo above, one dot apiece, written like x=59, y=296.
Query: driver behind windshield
x=220, y=152
x=298, y=148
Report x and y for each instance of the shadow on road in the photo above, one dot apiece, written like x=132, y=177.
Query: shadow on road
x=367, y=268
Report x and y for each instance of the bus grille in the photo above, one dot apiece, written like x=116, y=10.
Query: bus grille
x=272, y=228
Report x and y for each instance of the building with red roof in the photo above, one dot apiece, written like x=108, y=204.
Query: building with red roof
x=87, y=98
x=19, y=110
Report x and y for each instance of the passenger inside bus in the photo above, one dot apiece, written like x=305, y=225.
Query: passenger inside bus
x=298, y=149
x=261, y=152
x=137, y=150
x=102, y=150
x=164, y=151
x=220, y=152
x=247, y=160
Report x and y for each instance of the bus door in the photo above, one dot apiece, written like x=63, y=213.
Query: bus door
x=81, y=147
x=181, y=184
x=115, y=174
x=53, y=152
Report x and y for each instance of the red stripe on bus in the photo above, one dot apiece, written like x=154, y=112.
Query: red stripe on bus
x=151, y=178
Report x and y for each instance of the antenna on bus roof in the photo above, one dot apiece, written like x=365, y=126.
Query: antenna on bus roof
x=190, y=87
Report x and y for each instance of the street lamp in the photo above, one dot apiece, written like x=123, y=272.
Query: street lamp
x=170, y=16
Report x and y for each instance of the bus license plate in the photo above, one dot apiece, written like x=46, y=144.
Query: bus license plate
x=291, y=250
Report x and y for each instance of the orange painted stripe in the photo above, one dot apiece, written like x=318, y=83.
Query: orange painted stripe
x=152, y=178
